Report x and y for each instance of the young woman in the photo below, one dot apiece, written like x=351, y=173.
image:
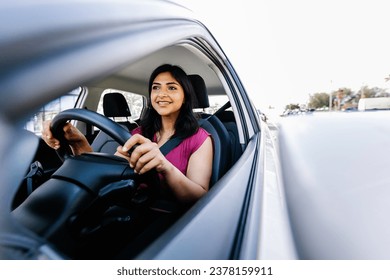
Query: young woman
x=186, y=170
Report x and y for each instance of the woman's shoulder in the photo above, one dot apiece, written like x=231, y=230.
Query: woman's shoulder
x=197, y=139
x=202, y=132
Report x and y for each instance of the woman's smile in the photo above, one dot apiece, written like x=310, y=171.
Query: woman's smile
x=163, y=103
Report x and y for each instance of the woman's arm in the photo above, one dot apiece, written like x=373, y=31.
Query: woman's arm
x=193, y=186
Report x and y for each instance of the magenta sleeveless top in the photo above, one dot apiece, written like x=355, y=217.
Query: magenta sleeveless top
x=180, y=155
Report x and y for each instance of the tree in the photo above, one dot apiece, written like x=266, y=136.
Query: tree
x=318, y=100
x=366, y=92
x=292, y=107
x=343, y=98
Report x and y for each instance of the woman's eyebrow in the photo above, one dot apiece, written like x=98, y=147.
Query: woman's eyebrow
x=168, y=83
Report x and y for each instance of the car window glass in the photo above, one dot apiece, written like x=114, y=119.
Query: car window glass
x=51, y=109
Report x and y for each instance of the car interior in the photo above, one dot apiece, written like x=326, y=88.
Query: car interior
x=107, y=225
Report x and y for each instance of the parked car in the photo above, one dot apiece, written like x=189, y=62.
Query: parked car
x=311, y=199
x=374, y=103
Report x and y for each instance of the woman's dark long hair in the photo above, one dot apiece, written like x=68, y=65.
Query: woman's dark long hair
x=186, y=123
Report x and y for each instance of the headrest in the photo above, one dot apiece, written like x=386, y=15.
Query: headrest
x=115, y=105
x=202, y=99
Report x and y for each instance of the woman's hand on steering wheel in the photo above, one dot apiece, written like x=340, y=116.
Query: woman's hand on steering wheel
x=143, y=155
x=77, y=141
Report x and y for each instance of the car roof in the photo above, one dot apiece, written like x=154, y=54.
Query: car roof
x=51, y=40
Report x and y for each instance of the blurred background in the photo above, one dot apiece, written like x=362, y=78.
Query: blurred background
x=299, y=53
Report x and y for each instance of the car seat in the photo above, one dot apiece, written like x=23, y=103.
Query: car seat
x=219, y=134
x=114, y=106
x=228, y=120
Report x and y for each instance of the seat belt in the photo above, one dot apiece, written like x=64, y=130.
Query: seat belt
x=170, y=145
x=175, y=141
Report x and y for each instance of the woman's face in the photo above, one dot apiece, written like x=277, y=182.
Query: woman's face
x=167, y=95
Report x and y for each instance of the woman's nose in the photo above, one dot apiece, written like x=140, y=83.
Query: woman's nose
x=162, y=92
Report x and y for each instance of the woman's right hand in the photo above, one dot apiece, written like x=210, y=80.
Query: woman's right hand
x=76, y=140
x=145, y=156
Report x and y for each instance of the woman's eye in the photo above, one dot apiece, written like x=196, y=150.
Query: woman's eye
x=155, y=87
x=172, y=88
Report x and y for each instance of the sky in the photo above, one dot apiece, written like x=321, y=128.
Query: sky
x=285, y=50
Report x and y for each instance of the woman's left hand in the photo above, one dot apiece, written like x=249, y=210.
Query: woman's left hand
x=145, y=156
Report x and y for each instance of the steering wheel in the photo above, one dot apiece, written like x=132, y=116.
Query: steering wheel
x=80, y=200
x=111, y=128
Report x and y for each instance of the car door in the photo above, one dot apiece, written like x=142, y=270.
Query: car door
x=96, y=45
